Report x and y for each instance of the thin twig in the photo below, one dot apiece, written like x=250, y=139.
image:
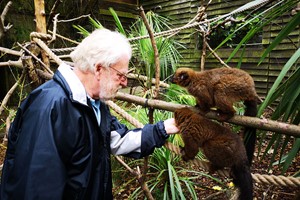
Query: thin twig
x=4, y=28
x=54, y=29
x=216, y=55
x=70, y=20
x=10, y=92
x=7, y=125
x=64, y=38
x=120, y=160
x=52, y=12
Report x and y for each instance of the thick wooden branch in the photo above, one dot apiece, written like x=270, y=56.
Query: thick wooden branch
x=263, y=124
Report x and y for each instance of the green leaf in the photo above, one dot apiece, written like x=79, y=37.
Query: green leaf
x=292, y=154
x=265, y=18
x=117, y=21
x=291, y=26
x=81, y=30
x=171, y=181
x=95, y=23
x=178, y=185
x=279, y=79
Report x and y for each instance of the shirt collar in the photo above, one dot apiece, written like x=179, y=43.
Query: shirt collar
x=77, y=89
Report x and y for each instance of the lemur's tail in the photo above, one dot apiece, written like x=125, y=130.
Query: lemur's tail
x=250, y=132
x=243, y=180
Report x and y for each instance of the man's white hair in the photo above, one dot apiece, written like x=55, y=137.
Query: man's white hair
x=103, y=47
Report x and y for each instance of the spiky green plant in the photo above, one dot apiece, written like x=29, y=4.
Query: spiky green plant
x=286, y=87
x=95, y=23
x=167, y=47
x=168, y=177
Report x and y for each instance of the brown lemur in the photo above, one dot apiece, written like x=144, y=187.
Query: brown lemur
x=220, y=146
x=221, y=88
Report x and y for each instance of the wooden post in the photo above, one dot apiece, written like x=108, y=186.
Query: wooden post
x=40, y=19
x=40, y=16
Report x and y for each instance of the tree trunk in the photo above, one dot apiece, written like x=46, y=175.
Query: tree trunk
x=40, y=19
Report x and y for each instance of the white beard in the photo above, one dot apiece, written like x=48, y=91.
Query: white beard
x=107, y=90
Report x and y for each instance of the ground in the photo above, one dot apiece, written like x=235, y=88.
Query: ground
x=261, y=191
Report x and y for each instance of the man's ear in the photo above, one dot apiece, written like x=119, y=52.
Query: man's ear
x=98, y=69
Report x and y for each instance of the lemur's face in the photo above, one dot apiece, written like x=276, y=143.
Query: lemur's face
x=182, y=77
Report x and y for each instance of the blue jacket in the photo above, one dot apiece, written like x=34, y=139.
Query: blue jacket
x=57, y=150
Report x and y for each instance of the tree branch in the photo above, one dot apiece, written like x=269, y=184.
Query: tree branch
x=263, y=124
x=52, y=12
x=17, y=63
x=4, y=28
x=70, y=20
x=10, y=92
x=10, y=51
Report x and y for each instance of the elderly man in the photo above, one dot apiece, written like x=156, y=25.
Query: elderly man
x=63, y=134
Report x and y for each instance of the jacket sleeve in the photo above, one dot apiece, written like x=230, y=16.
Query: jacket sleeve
x=137, y=143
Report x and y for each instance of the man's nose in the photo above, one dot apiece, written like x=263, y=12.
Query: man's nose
x=123, y=83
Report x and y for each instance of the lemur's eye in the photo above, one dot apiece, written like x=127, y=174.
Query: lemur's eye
x=183, y=76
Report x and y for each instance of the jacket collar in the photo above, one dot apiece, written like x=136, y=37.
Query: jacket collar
x=77, y=89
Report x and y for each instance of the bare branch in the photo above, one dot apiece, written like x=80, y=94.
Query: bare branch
x=52, y=12
x=3, y=28
x=263, y=124
x=54, y=29
x=64, y=38
x=216, y=55
x=204, y=46
x=12, y=63
x=7, y=124
x=120, y=160
x=10, y=92
x=145, y=79
x=10, y=51
x=70, y=20
x=5, y=10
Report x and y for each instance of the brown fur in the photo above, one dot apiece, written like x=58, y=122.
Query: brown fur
x=219, y=144
x=219, y=88
x=221, y=147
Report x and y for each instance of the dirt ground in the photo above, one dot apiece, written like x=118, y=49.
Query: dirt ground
x=261, y=191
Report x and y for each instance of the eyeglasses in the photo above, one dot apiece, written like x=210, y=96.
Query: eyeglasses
x=122, y=76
